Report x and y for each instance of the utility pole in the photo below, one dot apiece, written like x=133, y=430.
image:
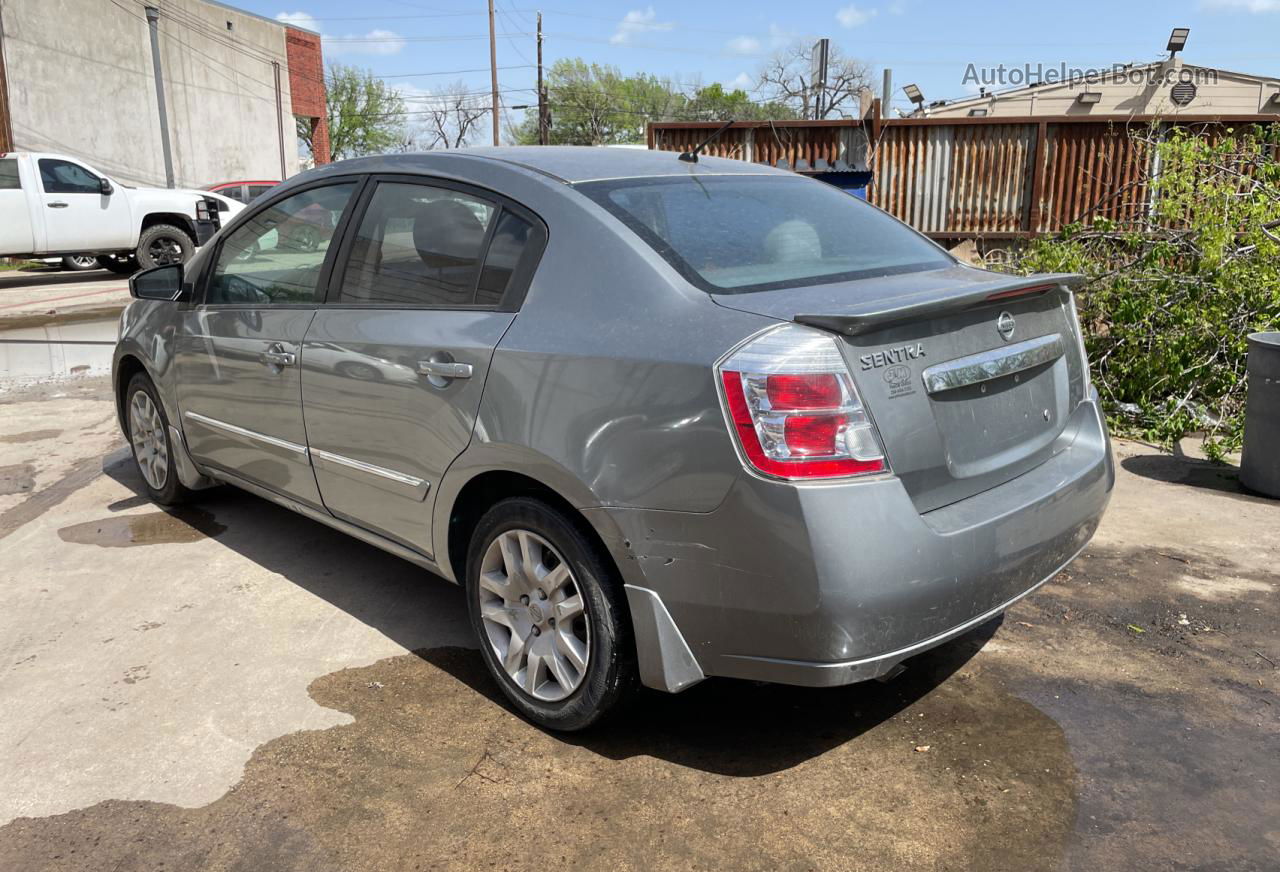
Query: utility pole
x=6, y=125
x=493, y=72
x=153, y=20
x=542, y=97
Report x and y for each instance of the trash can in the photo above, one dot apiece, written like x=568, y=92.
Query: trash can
x=1260, y=465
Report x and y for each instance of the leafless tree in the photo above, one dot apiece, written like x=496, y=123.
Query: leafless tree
x=447, y=117
x=787, y=78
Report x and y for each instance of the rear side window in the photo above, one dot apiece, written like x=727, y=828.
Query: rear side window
x=508, y=249
x=419, y=246
x=255, y=191
x=735, y=234
x=65, y=177
x=9, y=180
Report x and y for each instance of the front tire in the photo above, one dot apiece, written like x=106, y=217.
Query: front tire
x=548, y=610
x=163, y=245
x=148, y=435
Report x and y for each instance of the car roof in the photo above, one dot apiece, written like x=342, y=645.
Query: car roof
x=217, y=185
x=578, y=163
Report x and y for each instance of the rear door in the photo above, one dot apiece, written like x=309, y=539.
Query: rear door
x=15, y=226
x=395, y=361
x=239, y=383
x=77, y=215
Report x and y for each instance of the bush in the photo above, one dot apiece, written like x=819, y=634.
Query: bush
x=1170, y=299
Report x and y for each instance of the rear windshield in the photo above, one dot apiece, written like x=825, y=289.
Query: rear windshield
x=736, y=234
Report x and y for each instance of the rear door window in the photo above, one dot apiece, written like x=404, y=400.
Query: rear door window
x=255, y=191
x=9, y=180
x=417, y=245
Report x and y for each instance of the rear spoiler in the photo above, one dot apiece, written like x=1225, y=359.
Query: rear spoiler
x=872, y=315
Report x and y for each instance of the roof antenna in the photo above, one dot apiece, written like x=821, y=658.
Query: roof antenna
x=692, y=156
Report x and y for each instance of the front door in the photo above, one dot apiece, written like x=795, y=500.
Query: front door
x=238, y=358
x=77, y=215
x=394, y=363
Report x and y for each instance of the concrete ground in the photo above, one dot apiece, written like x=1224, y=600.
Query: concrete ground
x=231, y=686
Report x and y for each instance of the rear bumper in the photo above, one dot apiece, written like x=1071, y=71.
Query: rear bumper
x=831, y=584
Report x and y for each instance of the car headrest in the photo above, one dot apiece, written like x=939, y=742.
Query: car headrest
x=446, y=232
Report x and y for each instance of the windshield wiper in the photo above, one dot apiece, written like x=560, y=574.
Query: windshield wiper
x=692, y=156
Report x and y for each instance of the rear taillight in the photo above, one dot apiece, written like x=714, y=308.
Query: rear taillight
x=793, y=406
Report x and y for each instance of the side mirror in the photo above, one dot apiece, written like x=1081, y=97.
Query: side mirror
x=158, y=283
x=105, y=187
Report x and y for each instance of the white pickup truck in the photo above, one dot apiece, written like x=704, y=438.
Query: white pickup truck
x=52, y=205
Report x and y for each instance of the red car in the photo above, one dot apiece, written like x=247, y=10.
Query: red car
x=243, y=191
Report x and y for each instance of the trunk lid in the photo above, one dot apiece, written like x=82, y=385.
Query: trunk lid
x=970, y=376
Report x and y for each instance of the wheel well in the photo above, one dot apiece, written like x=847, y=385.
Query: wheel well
x=177, y=219
x=126, y=369
x=486, y=489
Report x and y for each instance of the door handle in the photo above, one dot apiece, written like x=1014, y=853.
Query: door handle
x=277, y=356
x=444, y=369
x=58, y=204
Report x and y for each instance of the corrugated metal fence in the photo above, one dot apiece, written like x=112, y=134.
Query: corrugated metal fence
x=959, y=178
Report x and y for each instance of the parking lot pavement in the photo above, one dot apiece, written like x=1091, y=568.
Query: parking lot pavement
x=233, y=686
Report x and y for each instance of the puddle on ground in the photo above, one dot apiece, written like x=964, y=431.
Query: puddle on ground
x=30, y=436
x=154, y=528
x=18, y=478
x=941, y=768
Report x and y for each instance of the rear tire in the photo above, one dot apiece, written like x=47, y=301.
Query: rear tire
x=164, y=244
x=78, y=262
x=540, y=566
x=147, y=429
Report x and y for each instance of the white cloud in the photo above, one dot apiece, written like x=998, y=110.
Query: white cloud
x=852, y=16
x=780, y=37
x=742, y=82
x=743, y=45
x=378, y=41
x=1255, y=6
x=638, y=21
x=898, y=7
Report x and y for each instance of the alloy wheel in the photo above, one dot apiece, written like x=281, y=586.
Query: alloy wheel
x=534, y=615
x=164, y=251
x=146, y=432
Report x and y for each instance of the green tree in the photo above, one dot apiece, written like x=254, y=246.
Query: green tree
x=365, y=114
x=595, y=104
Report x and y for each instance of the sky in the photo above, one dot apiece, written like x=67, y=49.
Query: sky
x=419, y=46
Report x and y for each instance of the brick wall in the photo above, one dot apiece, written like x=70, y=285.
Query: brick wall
x=306, y=85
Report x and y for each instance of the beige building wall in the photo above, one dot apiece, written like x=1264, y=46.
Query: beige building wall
x=81, y=83
x=1217, y=93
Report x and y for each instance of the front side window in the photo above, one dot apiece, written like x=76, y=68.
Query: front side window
x=253, y=192
x=65, y=177
x=276, y=256
x=417, y=245
x=736, y=234
x=9, y=180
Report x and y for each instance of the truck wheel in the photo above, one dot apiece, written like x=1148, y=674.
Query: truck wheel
x=77, y=262
x=548, y=609
x=120, y=264
x=164, y=244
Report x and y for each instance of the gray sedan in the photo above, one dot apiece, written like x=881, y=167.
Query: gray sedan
x=662, y=419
